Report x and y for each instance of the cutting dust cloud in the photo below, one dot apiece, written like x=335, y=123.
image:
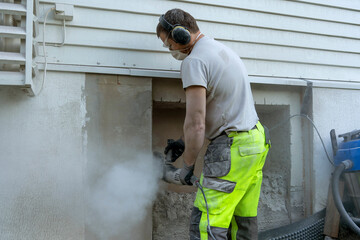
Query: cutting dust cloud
x=120, y=199
x=62, y=204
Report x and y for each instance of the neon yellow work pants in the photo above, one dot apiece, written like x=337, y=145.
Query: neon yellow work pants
x=231, y=180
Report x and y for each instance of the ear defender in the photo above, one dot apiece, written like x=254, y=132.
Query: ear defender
x=179, y=33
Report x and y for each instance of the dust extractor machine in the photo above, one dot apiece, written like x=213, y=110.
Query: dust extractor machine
x=347, y=162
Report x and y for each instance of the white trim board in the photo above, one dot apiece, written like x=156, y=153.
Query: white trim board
x=176, y=74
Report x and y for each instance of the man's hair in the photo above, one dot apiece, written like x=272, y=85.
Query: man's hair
x=178, y=17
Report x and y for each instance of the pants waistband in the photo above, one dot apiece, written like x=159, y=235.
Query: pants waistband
x=224, y=133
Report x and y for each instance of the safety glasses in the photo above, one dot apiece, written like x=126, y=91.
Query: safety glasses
x=166, y=44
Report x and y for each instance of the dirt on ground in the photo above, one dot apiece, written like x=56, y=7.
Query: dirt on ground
x=171, y=215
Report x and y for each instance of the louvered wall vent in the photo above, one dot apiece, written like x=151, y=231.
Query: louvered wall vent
x=18, y=28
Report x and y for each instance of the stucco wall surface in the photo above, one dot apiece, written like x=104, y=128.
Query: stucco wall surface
x=121, y=176
x=332, y=109
x=76, y=161
x=42, y=161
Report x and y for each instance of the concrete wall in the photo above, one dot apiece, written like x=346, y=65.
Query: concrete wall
x=87, y=133
x=42, y=161
x=333, y=109
x=76, y=160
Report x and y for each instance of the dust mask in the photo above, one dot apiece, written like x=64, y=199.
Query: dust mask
x=178, y=55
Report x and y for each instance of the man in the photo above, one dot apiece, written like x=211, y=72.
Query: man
x=220, y=107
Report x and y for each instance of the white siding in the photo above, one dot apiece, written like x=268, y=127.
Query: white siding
x=277, y=39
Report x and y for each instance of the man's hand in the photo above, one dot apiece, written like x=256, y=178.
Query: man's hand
x=180, y=176
x=176, y=147
x=186, y=173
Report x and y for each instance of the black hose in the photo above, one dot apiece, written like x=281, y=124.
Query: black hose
x=356, y=220
x=196, y=182
x=336, y=195
x=207, y=211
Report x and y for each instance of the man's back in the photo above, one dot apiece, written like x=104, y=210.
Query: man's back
x=229, y=101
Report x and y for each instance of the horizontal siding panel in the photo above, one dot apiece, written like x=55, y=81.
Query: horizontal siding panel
x=292, y=70
x=343, y=4
x=115, y=20
x=105, y=19
x=281, y=38
x=109, y=37
x=295, y=55
x=282, y=7
x=142, y=40
x=273, y=37
x=149, y=43
x=164, y=61
x=108, y=57
x=286, y=8
x=275, y=22
x=104, y=38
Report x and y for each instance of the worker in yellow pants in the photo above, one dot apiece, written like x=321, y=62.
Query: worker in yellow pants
x=231, y=180
x=220, y=107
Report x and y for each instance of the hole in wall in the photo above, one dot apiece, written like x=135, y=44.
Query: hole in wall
x=274, y=205
x=172, y=209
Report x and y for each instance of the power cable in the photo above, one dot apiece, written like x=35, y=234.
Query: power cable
x=44, y=50
x=64, y=36
x=197, y=183
x=313, y=124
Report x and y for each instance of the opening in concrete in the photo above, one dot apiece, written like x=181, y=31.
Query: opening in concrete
x=172, y=208
x=274, y=204
x=174, y=203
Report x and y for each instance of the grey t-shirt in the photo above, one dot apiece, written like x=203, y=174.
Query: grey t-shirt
x=229, y=101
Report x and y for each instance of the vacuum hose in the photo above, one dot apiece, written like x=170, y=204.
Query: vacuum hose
x=347, y=164
x=169, y=170
x=195, y=181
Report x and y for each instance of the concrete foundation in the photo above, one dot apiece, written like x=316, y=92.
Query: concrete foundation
x=42, y=161
x=82, y=151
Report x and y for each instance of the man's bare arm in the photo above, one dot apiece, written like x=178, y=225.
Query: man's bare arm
x=194, y=125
